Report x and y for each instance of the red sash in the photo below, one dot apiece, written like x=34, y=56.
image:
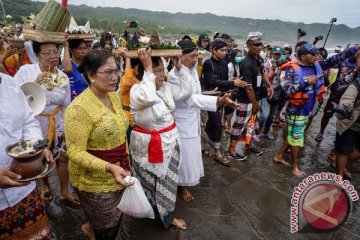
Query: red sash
x=114, y=155
x=155, y=151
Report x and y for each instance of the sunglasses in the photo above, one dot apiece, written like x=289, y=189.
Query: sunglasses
x=257, y=44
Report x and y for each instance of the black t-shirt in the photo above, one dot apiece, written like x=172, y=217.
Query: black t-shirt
x=250, y=69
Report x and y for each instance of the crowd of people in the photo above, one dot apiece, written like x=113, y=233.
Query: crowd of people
x=108, y=117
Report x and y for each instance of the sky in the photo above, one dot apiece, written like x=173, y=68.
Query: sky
x=307, y=11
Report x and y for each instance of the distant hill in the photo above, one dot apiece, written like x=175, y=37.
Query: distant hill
x=193, y=24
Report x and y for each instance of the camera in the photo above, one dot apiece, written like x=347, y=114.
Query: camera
x=301, y=32
x=133, y=24
x=345, y=111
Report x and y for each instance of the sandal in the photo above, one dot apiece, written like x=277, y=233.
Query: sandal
x=319, y=137
x=223, y=161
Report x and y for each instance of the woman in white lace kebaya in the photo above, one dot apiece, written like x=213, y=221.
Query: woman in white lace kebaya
x=155, y=142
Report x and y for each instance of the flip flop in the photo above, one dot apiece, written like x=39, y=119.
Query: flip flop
x=223, y=161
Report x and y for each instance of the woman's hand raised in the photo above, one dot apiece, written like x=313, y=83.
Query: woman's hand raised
x=145, y=58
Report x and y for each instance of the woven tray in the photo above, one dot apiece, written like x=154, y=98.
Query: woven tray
x=15, y=43
x=154, y=53
x=43, y=36
x=87, y=37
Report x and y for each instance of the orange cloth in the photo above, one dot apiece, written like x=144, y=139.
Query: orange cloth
x=26, y=59
x=126, y=82
x=12, y=61
x=51, y=134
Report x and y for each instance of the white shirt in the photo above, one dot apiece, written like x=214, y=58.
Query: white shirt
x=187, y=111
x=55, y=97
x=149, y=111
x=17, y=122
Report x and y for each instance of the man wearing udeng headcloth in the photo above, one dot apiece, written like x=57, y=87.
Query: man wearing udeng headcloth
x=187, y=117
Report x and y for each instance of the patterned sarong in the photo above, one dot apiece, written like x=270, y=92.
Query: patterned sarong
x=26, y=220
x=101, y=208
x=240, y=121
x=296, y=130
x=161, y=192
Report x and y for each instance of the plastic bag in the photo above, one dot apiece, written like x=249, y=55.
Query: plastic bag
x=134, y=201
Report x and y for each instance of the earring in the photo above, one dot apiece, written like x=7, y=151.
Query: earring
x=92, y=81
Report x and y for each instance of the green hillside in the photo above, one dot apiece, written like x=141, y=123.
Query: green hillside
x=192, y=24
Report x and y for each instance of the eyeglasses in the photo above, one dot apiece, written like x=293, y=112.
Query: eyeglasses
x=50, y=53
x=110, y=73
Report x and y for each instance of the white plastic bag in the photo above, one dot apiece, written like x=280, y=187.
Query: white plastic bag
x=134, y=201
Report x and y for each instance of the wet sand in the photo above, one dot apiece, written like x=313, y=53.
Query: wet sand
x=249, y=200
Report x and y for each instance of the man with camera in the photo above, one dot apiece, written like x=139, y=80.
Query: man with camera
x=347, y=143
x=346, y=75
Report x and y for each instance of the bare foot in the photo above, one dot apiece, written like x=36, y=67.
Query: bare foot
x=46, y=193
x=281, y=161
x=69, y=197
x=179, y=223
x=298, y=173
x=347, y=173
x=185, y=194
x=88, y=231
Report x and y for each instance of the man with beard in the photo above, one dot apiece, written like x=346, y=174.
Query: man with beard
x=187, y=117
